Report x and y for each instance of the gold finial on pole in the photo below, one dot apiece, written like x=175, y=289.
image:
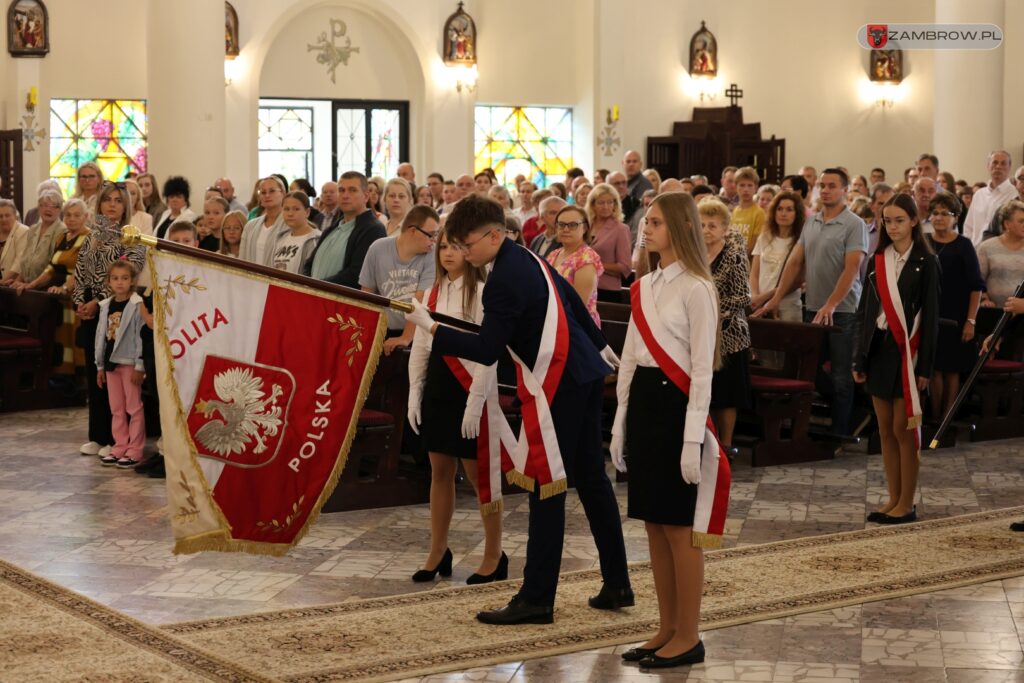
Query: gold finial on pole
x=131, y=236
x=403, y=306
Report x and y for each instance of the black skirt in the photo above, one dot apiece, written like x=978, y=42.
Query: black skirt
x=444, y=402
x=884, y=367
x=730, y=385
x=655, y=421
x=952, y=354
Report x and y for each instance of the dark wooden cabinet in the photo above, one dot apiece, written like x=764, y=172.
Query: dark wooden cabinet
x=716, y=137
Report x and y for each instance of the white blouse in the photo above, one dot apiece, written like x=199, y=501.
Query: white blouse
x=449, y=302
x=687, y=308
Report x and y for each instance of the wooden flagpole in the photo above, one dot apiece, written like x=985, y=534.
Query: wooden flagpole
x=131, y=236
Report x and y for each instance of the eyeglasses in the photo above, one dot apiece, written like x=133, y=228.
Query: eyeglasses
x=572, y=225
x=943, y=214
x=512, y=232
x=270, y=191
x=466, y=246
x=429, y=235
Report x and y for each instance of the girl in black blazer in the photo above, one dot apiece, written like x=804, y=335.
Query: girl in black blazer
x=885, y=361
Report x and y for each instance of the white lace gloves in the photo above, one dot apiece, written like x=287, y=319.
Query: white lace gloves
x=471, y=418
x=415, y=411
x=420, y=315
x=689, y=462
x=616, y=448
x=609, y=357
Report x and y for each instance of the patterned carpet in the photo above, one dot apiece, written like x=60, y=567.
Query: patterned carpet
x=49, y=633
x=399, y=637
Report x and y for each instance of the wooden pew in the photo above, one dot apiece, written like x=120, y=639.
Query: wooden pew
x=997, y=399
x=28, y=325
x=783, y=396
x=375, y=474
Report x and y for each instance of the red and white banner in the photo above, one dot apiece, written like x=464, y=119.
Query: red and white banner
x=895, y=318
x=261, y=383
x=715, y=473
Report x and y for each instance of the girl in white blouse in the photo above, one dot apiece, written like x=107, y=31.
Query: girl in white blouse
x=448, y=418
x=664, y=427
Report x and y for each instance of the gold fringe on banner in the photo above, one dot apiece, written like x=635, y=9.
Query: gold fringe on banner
x=492, y=507
x=705, y=541
x=553, y=488
x=517, y=478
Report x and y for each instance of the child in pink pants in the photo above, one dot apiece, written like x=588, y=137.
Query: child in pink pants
x=119, y=363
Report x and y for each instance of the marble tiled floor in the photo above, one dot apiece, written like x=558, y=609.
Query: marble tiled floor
x=104, y=533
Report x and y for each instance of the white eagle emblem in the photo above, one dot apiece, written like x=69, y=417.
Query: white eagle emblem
x=246, y=414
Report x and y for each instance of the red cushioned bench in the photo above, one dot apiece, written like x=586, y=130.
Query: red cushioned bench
x=28, y=327
x=783, y=393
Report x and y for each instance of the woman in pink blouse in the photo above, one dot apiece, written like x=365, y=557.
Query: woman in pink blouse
x=611, y=240
x=575, y=261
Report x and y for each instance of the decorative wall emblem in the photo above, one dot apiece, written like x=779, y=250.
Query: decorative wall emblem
x=30, y=134
x=330, y=53
x=459, y=39
x=609, y=140
x=703, y=53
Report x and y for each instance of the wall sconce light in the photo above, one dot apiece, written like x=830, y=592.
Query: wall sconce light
x=231, y=70
x=465, y=77
x=884, y=96
x=702, y=88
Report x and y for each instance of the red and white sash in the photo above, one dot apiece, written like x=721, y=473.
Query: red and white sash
x=895, y=318
x=537, y=457
x=496, y=440
x=715, y=473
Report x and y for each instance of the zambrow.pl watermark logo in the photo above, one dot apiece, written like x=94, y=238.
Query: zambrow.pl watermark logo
x=879, y=36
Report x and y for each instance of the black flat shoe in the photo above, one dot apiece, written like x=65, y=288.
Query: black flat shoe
x=694, y=655
x=518, y=611
x=903, y=519
x=612, y=598
x=1017, y=526
x=444, y=567
x=635, y=654
x=876, y=516
x=500, y=573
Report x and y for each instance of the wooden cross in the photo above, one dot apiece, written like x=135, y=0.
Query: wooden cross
x=734, y=94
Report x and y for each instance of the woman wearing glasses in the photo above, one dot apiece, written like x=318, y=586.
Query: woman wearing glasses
x=88, y=183
x=960, y=291
x=574, y=260
x=260, y=235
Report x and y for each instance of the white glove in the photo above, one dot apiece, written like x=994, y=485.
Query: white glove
x=609, y=357
x=415, y=410
x=689, y=463
x=618, y=459
x=420, y=315
x=471, y=418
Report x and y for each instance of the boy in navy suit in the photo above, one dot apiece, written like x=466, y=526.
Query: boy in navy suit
x=516, y=306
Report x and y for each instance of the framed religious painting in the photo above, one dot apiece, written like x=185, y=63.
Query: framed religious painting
x=703, y=54
x=28, y=29
x=230, y=31
x=459, y=39
x=886, y=66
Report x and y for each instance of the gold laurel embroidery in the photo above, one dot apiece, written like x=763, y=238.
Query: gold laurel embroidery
x=356, y=337
x=179, y=282
x=278, y=527
x=184, y=514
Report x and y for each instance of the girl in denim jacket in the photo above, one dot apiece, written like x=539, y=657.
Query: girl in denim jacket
x=119, y=363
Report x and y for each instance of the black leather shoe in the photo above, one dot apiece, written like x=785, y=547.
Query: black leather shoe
x=612, y=598
x=518, y=611
x=876, y=516
x=444, y=567
x=694, y=655
x=1017, y=526
x=158, y=471
x=635, y=654
x=500, y=573
x=149, y=463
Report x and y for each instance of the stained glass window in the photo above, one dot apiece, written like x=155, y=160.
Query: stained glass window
x=286, y=141
x=110, y=132
x=385, y=137
x=533, y=141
